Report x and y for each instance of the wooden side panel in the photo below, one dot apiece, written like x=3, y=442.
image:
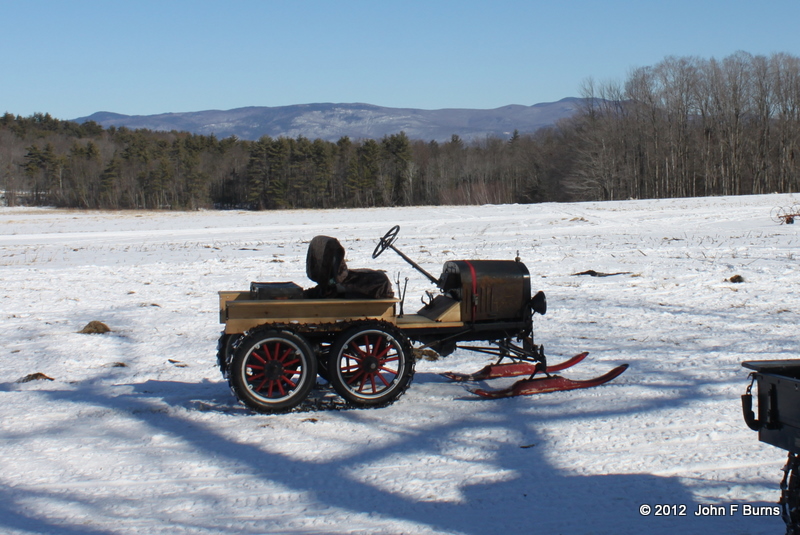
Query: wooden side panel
x=239, y=313
x=415, y=321
x=225, y=298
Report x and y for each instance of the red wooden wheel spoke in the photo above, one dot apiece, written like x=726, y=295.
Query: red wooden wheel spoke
x=269, y=388
x=290, y=363
x=285, y=354
x=289, y=382
x=357, y=351
x=372, y=382
x=388, y=370
x=351, y=364
x=351, y=368
x=383, y=379
x=356, y=376
x=292, y=372
x=383, y=362
x=367, y=345
x=270, y=385
x=254, y=378
x=383, y=353
x=369, y=378
x=378, y=342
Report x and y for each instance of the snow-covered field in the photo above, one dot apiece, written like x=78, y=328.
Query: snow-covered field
x=138, y=433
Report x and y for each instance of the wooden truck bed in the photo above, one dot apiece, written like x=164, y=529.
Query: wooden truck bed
x=240, y=313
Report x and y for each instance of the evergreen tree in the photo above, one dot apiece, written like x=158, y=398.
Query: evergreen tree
x=257, y=175
x=109, y=178
x=397, y=155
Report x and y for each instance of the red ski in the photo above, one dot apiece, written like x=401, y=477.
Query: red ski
x=512, y=369
x=543, y=385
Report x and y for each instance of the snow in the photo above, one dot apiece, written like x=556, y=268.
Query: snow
x=138, y=433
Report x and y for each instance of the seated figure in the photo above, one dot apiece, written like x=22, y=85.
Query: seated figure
x=325, y=265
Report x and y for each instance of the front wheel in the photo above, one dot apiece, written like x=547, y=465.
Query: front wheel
x=371, y=365
x=272, y=371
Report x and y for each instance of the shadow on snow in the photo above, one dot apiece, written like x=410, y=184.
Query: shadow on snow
x=538, y=498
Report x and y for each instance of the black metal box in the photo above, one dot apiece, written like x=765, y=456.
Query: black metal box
x=778, y=421
x=489, y=290
x=260, y=291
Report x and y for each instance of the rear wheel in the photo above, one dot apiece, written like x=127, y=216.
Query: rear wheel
x=226, y=345
x=272, y=371
x=371, y=365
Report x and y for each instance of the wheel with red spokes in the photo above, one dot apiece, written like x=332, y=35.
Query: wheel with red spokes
x=272, y=371
x=371, y=365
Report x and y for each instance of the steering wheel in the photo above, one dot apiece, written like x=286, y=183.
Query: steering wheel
x=387, y=240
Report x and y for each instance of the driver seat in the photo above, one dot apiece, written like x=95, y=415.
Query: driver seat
x=325, y=265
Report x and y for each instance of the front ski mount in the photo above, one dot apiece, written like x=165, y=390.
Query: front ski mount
x=513, y=369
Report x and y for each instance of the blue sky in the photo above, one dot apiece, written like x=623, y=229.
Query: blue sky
x=139, y=57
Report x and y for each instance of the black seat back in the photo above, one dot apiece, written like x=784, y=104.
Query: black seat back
x=325, y=265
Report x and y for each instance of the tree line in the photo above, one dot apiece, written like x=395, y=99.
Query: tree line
x=692, y=127
x=684, y=127
x=46, y=161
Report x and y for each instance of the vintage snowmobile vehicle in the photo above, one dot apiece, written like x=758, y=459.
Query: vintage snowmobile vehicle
x=778, y=424
x=278, y=337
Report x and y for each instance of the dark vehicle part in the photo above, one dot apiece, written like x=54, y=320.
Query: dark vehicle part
x=777, y=421
x=488, y=290
x=275, y=290
x=790, y=495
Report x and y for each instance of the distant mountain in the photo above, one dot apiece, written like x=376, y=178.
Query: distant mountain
x=358, y=121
